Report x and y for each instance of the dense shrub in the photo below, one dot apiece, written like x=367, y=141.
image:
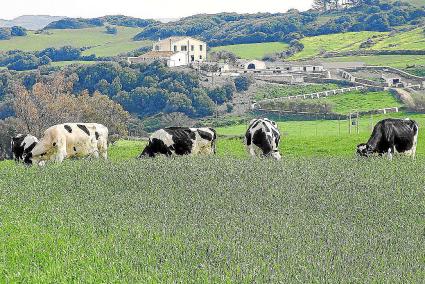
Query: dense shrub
x=242, y=83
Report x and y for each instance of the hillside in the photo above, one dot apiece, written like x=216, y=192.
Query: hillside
x=232, y=28
x=316, y=45
x=30, y=22
x=94, y=39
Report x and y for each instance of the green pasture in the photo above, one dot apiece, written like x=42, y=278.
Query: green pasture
x=97, y=41
x=397, y=61
x=213, y=220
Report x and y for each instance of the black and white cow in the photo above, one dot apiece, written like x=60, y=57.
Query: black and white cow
x=181, y=141
x=21, y=145
x=391, y=136
x=262, y=138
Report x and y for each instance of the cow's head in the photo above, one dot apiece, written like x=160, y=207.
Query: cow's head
x=147, y=152
x=41, y=153
x=364, y=150
x=276, y=155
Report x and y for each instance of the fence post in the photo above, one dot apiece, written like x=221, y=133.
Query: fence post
x=357, y=123
x=349, y=123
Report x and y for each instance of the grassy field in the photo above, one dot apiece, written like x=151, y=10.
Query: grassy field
x=277, y=91
x=253, y=50
x=313, y=46
x=412, y=40
x=359, y=101
x=66, y=63
x=100, y=43
x=316, y=137
x=213, y=220
x=397, y=61
x=334, y=42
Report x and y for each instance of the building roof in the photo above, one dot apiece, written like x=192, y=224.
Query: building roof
x=178, y=38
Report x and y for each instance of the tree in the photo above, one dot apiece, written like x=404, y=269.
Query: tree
x=51, y=102
x=111, y=30
x=18, y=31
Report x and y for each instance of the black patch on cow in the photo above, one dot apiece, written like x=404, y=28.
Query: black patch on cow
x=68, y=128
x=155, y=147
x=255, y=124
x=75, y=149
x=276, y=137
x=261, y=141
x=205, y=135
x=97, y=135
x=17, y=149
x=84, y=128
x=29, y=149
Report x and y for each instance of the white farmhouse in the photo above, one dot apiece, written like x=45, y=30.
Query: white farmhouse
x=175, y=51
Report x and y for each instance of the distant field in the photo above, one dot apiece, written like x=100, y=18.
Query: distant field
x=66, y=63
x=253, y=50
x=397, y=61
x=100, y=43
x=412, y=40
x=334, y=42
x=276, y=91
x=359, y=101
x=313, y=46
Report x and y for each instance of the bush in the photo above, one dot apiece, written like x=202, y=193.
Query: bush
x=18, y=31
x=242, y=83
x=111, y=30
x=5, y=34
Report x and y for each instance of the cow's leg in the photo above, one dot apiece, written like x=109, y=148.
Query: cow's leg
x=103, y=148
x=390, y=155
x=251, y=150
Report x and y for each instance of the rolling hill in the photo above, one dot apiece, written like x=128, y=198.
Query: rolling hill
x=94, y=39
x=313, y=46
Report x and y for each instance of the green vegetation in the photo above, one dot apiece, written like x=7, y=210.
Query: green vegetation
x=334, y=42
x=98, y=41
x=361, y=101
x=253, y=50
x=276, y=91
x=397, y=61
x=411, y=40
x=212, y=219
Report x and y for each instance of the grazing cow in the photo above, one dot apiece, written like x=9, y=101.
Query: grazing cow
x=181, y=141
x=21, y=145
x=262, y=138
x=391, y=136
x=70, y=140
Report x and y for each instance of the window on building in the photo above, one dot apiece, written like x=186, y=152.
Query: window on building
x=192, y=48
x=200, y=56
x=184, y=48
x=201, y=47
x=156, y=47
x=175, y=48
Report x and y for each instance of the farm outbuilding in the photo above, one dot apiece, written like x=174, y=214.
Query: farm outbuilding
x=253, y=65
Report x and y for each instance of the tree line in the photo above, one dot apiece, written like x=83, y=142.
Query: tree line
x=232, y=28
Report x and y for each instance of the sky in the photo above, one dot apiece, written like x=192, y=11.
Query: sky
x=143, y=8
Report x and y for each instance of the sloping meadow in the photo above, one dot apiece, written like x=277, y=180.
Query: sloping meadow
x=214, y=220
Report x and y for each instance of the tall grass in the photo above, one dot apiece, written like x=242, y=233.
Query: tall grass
x=193, y=220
